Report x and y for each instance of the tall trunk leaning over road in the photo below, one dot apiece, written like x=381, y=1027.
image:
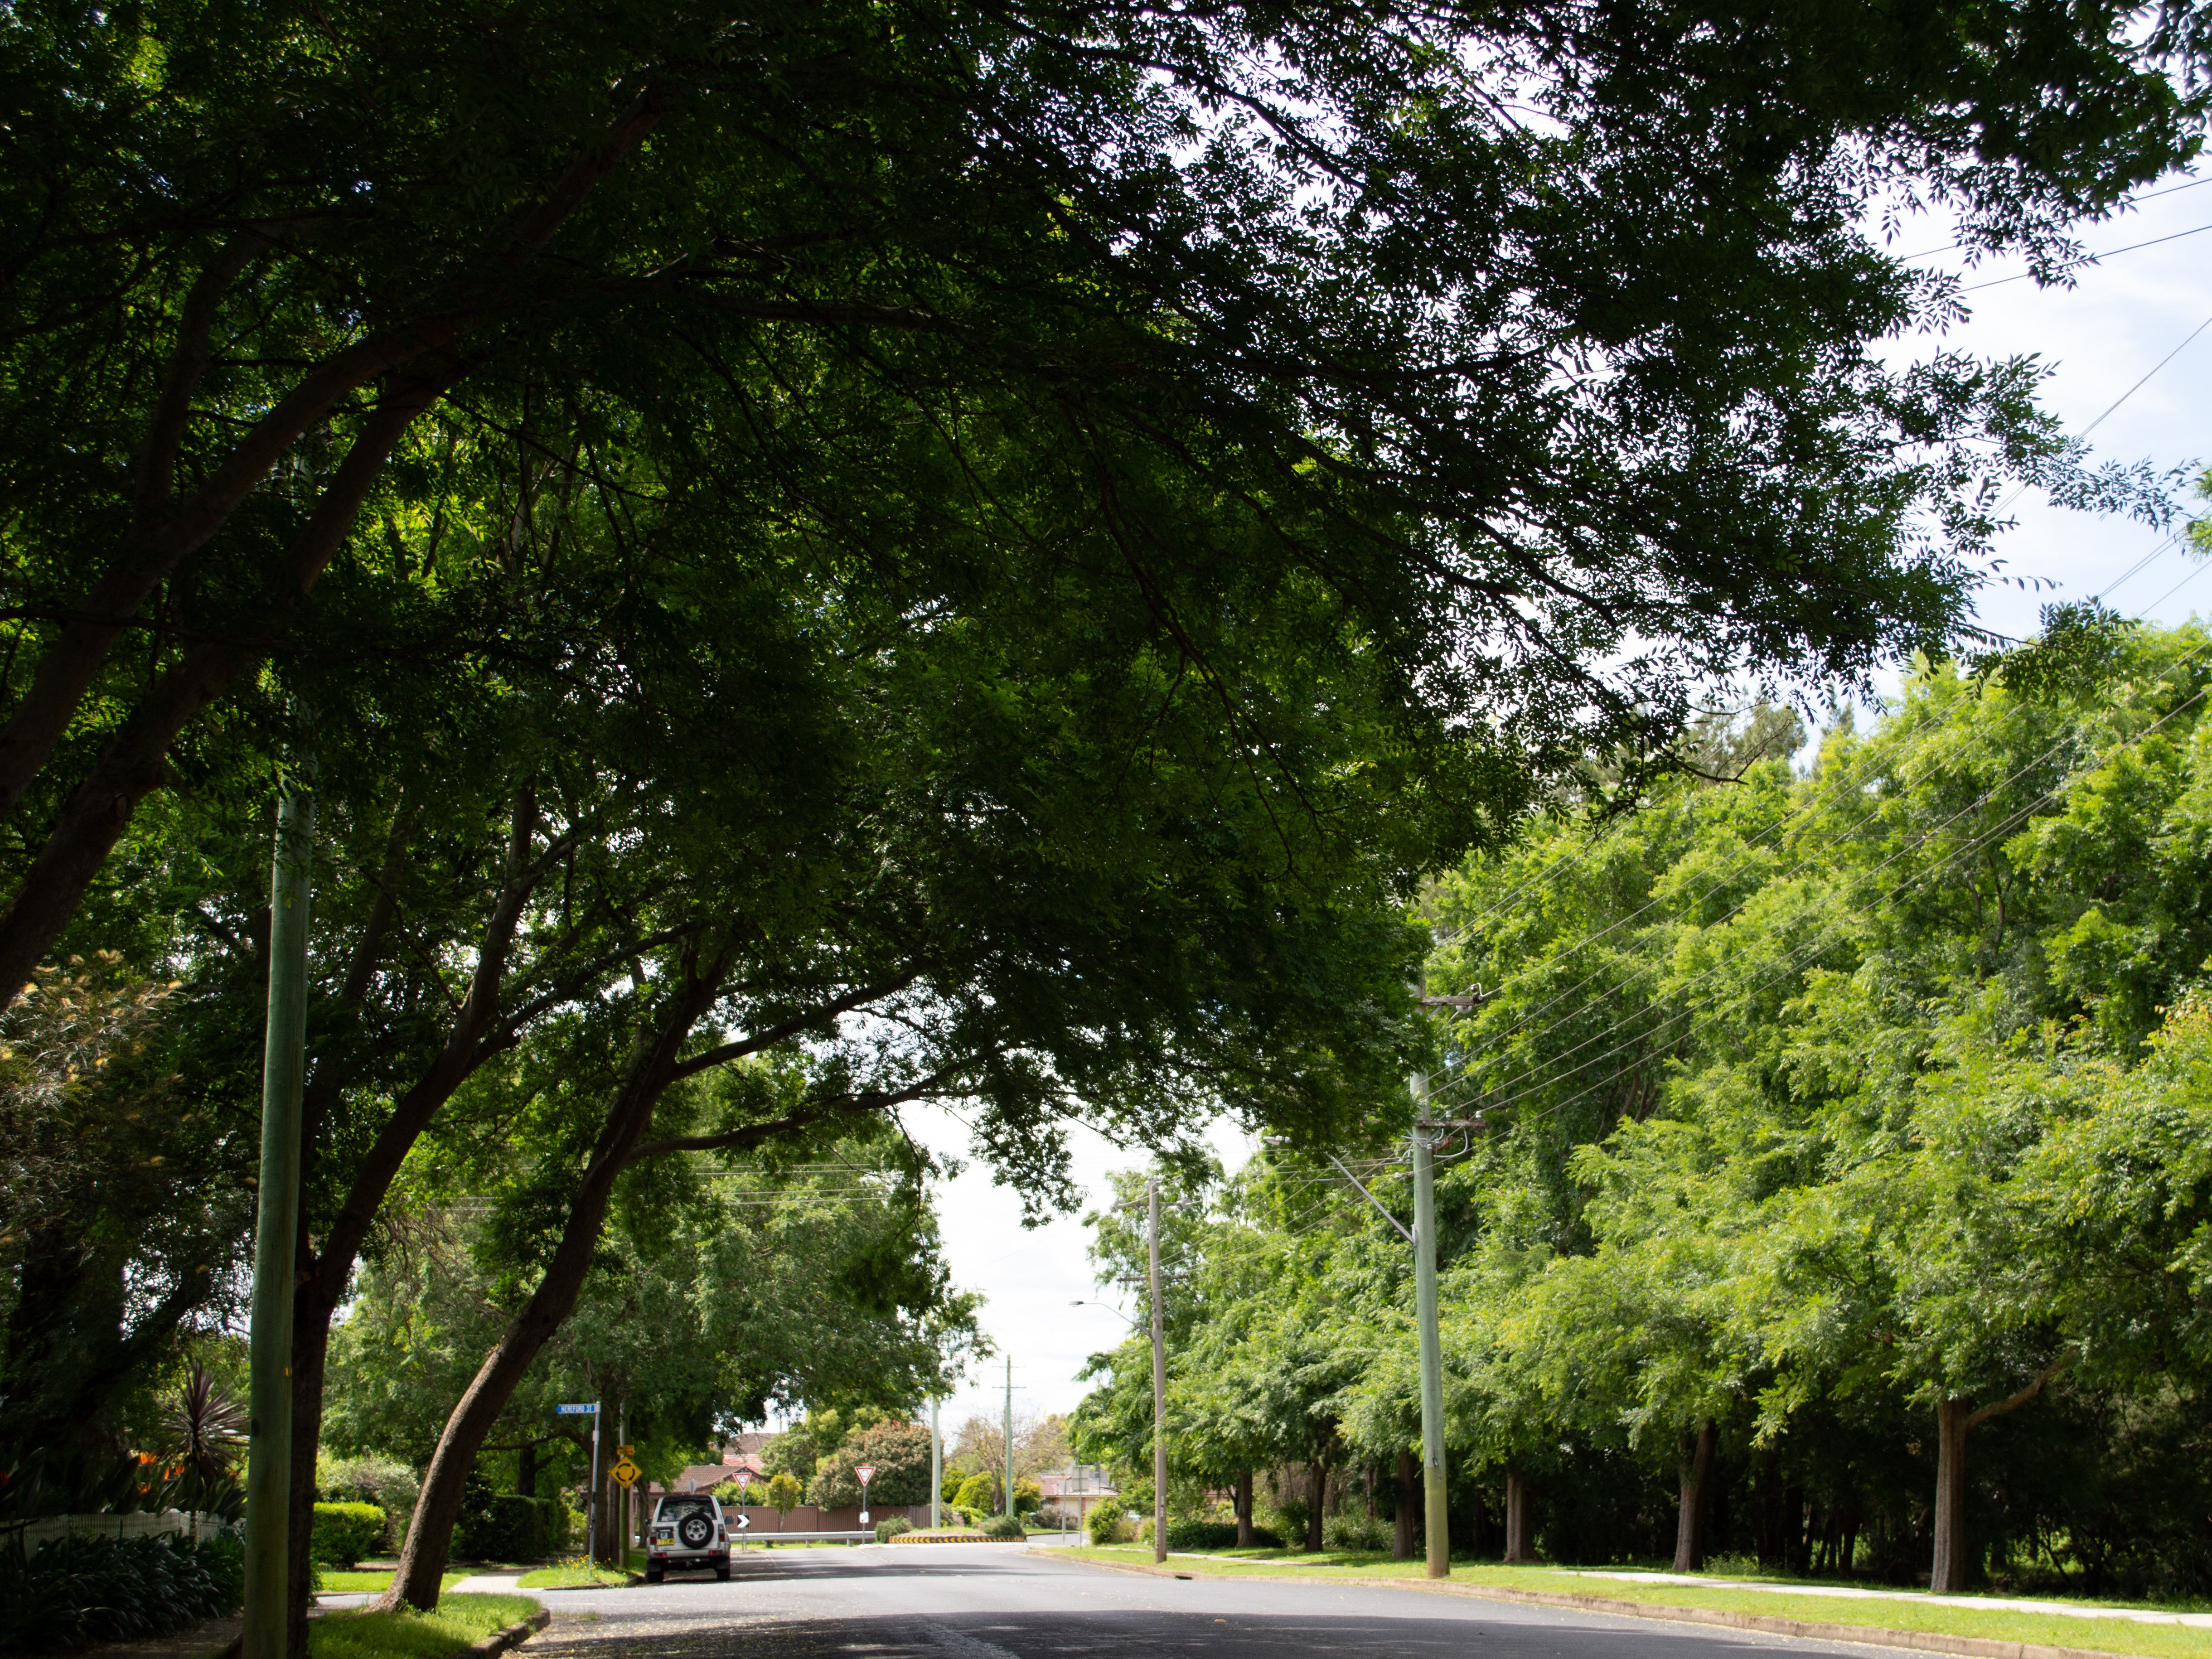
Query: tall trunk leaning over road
x=430, y=1534
x=1690, y=1520
x=1956, y=1419
x=1520, y=1538
x=1409, y=1504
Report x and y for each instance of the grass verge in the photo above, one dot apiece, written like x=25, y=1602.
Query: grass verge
x=373, y=1578
x=571, y=1575
x=1904, y=1612
x=457, y=1622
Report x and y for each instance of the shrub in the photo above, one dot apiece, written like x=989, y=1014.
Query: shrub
x=1003, y=1526
x=1201, y=1535
x=76, y=1591
x=375, y=1479
x=887, y=1530
x=508, y=1526
x=979, y=1492
x=1293, y=1517
x=1105, y=1526
x=1355, y=1532
x=344, y=1533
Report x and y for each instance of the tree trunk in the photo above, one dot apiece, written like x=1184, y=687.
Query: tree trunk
x=1243, y=1502
x=430, y=1535
x=1769, y=1505
x=1316, y=1491
x=1949, y=1572
x=525, y=1468
x=1520, y=1541
x=1409, y=1505
x=310, y=1343
x=1690, y=1519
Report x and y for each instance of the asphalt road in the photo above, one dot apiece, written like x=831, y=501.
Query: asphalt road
x=999, y=1602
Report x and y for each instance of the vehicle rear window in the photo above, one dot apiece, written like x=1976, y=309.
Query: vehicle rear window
x=674, y=1508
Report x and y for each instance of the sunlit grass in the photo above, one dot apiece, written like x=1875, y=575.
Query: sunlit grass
x=457, y=1622
x=1899, y=1613
x=338, y=1582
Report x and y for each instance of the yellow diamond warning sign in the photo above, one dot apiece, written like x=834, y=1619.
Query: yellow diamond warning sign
x=626, y=1472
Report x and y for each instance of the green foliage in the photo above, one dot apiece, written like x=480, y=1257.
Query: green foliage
x=345, y=1532
x=899, y=1453
x=1214, y=1535
x=1807, y=1104
x=509, y=1526
x=71, y=1592
x=979, y=1492
x=1003, y=1526
x=1028, y=1497
x=1104, y=1522
x=371, y=1478
x=784, y=1493
x=887, y=1530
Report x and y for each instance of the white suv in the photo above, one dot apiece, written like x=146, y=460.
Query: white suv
x=686, y=1531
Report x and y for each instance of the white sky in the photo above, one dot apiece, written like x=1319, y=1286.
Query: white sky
x=2101, y=338
x=1030, y=1278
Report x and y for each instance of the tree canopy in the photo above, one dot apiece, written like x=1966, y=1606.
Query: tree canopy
x=1855, y=1114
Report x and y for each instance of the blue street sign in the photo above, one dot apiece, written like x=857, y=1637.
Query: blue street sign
x=575, y=1410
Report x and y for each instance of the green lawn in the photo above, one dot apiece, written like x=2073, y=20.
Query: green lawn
x=2121, y=1636
x=458, y=1621
x=375, y=1578
x=571, y=1575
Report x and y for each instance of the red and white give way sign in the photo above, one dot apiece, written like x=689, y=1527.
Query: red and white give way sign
x=866, y=1472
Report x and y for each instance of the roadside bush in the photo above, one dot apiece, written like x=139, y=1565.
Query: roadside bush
x=1293, y=1515
x=508, y=1526
x=72, y=1592
x=1354, y=1532
x=386, y=1482
x=887, y=1530
x=344, y=1533
x=1105, y=1526
x=1003, y=1526
x=1215, y=1536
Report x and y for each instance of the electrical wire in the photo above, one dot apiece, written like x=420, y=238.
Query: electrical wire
x=2091, y=259
x=2150, y=196
x=1972, y=845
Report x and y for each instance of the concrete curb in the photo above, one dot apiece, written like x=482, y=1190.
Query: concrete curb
x=1976, y=1647
x=514, y=1636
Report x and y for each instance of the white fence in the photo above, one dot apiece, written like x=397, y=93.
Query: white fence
x=137, y=1523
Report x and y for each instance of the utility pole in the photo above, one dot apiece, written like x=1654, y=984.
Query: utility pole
x=1159, y=1381
x=1009, y=1434
x=936, y=1464
x=1436, y=1516
x=269, y=1468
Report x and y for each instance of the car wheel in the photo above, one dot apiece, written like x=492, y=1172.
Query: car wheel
x=722, y=1570
x=654, y=1575
x=695, y=1530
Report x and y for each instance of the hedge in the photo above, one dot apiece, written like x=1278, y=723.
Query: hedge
x=344, y=1533
x=72, y=1592
x=508, y=1526
x=1216, y=1535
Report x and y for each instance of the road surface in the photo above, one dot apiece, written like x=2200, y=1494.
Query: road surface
x=1001, y=1602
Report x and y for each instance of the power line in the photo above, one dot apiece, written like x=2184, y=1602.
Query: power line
x=1974, y=844
x=2094, y=259
x=2150, y=196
